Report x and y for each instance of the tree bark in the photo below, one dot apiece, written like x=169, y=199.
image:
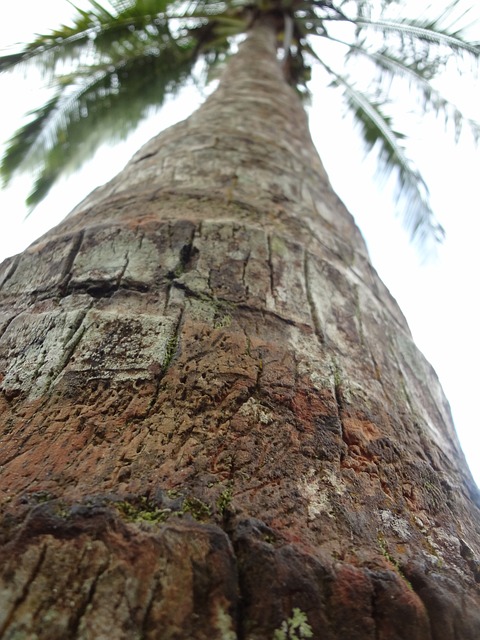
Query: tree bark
x=213, y=413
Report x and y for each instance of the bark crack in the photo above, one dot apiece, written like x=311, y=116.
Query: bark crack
x=375, y=611
x=337, y=389
x=67, y=269
x=145, y=156
x=241, y=306
x=244, y=271
x=74, y=624
x=7, y=324
x=156, y=588
x=171, y=351
x=358, y=315
x=123, y=271
x=270, y=266
x=317, y=325
x=186, y=254
x=11, y=270
x=70, y=344
x=25, y=591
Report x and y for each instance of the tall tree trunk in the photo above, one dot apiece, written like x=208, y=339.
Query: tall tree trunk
x=213, y=413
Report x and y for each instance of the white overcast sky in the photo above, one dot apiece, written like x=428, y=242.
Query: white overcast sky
x=440, y=298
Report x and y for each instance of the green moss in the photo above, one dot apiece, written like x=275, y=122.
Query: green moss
x=269, y=538
x=337, y=374
x=224, y=500
x=278, y=246
x=41, y=497
x=178, y=271
x=222, y=316
x=196, y=508
x=62, y=511
x=433, y=550
x=224, y=625
x=211, y=310
x=170, y=351
x=144, y=511
x=388, y=556
x=222, y=321
x=294, y=628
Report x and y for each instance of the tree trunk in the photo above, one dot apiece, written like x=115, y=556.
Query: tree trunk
x=215, y=424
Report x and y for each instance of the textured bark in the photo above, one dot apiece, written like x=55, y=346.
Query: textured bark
x=213, y=411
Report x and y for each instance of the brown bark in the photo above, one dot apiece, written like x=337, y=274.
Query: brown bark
x=212, y=409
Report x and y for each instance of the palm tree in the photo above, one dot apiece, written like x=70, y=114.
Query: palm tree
x=215, y=422
x=147, y=50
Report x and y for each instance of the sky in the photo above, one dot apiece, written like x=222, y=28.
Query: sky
x=439, y=297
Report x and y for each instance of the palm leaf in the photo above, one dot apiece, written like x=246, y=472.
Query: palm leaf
x=432, y=100
x=417, y=66
x=131, y=62
x=22, y=142
x=93, y=105
x=427, y=31
x=377, y=131
x=91, y=34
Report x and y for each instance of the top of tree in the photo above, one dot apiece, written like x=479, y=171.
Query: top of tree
x=119, y=59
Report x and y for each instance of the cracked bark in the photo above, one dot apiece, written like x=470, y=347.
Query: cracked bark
x=228, y=418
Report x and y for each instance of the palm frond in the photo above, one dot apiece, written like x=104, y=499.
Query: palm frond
x=20, y=145
x=93, y=105
x=92, y=32
x=377, y=131
x=365, y=8
x=414, y=51
x=124, y=62
x=417, y=70
x=428, y=31
x=418, y=73
x=67, y=42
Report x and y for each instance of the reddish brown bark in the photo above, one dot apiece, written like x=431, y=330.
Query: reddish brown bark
x=213, y=412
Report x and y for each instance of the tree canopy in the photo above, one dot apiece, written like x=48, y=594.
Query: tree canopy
x=119, y=59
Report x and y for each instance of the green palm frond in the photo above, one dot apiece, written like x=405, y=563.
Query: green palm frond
x=417, y=74
x=377, y=131
x=413, y=56
x=95, y=104
x=92, y=33
x=123, y=61
x=26, y=138
x=427, y=31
